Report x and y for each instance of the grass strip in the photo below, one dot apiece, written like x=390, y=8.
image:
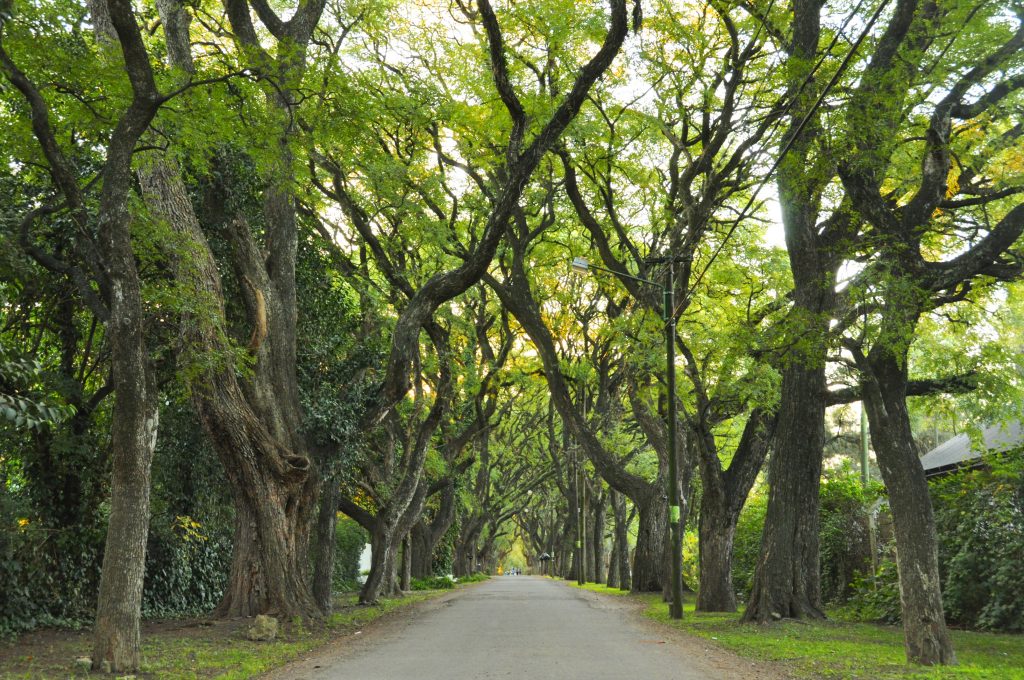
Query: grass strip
x=839, y=649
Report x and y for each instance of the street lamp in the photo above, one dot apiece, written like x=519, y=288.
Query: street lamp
x=582, y=266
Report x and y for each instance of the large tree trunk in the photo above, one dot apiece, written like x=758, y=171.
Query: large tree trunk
x=926, y=638
x=421, y=551
x=116, y=636
x=465, y=547
x=786, y=579
x=394, y=522
x=649, y=558
x=435, y=531
x=253, y=428
x=325, y=540
x=256, y=425
x=381, y=580
x=717, y=530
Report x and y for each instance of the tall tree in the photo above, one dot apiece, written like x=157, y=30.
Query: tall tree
x=955, y=192
x=116, y=643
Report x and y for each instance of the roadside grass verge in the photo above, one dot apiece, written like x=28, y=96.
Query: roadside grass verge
x=189, y=651
x=839, y=649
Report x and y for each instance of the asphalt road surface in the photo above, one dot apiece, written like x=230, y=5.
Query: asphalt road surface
x=516, y=627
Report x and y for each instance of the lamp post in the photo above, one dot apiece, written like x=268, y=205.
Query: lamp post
x=582, y=266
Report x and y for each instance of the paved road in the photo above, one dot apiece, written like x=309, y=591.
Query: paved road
x=516, y=627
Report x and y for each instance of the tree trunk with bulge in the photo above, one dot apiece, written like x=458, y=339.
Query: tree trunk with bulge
x=926, y=638
x=254, y=426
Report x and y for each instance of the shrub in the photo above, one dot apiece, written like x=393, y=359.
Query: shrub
x=747, y=542
x=350, y=539
x=187, y=566
x=843, y=532
x=474, y=578
x=979, y=515
x=875, y=599
x=433, y=583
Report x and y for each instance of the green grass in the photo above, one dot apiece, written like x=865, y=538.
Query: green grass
x=218, y=651
x=842, y=650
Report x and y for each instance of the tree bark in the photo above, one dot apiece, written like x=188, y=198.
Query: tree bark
x=926, y=638
x=325, y=541
x=273, y=486
x=612, y=578
x=621, y=540
x=723, y=495
x=650, y=555
x=786, y=578
x=598, y=505
x=406, y=581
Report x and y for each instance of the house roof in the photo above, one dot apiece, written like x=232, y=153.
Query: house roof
x=958, y=450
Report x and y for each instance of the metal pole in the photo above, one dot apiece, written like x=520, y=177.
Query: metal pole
x=676, y=607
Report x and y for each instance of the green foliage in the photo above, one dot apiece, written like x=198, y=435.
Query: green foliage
x=186, y=567
x=349, y=541
x=433, y=583
x=48, y=577
x=474, y=578
x=843, y=531
x=747, y=542
x=24, y=400
x=875, y=598
x=979, y=515
x=442, y=560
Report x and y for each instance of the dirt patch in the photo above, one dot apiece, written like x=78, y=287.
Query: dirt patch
x=51, y=653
